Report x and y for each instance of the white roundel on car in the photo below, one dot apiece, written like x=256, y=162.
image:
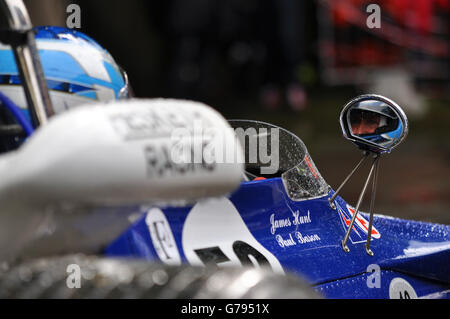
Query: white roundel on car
x=162, y=237
x=214, y=233
x=399, y=288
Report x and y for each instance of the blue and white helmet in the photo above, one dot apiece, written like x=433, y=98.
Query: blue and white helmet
x=77, y=69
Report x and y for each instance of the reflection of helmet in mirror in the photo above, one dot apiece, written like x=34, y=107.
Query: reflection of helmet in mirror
x=374, y=123
x=393, y=132
x=375, y=107
x=76, y=68
x=372, y=117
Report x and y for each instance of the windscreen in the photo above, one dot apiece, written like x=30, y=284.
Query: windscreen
x=271, y=151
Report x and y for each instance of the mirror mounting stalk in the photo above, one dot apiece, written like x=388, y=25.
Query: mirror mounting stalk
x=331, y=199
x=361, y=196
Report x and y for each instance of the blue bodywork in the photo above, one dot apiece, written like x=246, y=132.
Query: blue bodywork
x=416, y=254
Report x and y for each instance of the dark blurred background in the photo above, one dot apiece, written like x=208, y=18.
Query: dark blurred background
x=295, y=64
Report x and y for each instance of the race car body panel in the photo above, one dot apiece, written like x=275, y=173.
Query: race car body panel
x=260, y=225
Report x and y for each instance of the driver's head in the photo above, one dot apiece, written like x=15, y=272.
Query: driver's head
x=77, y=69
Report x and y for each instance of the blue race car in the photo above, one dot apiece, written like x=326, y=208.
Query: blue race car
x=122, y=179
x=287, y=224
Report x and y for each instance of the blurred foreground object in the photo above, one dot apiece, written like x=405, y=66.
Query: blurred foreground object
x=93, y=159
x=125, y=278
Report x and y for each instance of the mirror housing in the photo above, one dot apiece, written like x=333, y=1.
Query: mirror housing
x=374, y=123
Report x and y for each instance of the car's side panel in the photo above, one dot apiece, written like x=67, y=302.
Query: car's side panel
x=258, y=224
x=382, y=285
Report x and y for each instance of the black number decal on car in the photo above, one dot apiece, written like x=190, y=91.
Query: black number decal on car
x=211, y=255
x=246, y=254
x=243, y=251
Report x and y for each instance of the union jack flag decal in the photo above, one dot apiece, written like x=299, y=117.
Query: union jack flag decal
x=360, y=226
